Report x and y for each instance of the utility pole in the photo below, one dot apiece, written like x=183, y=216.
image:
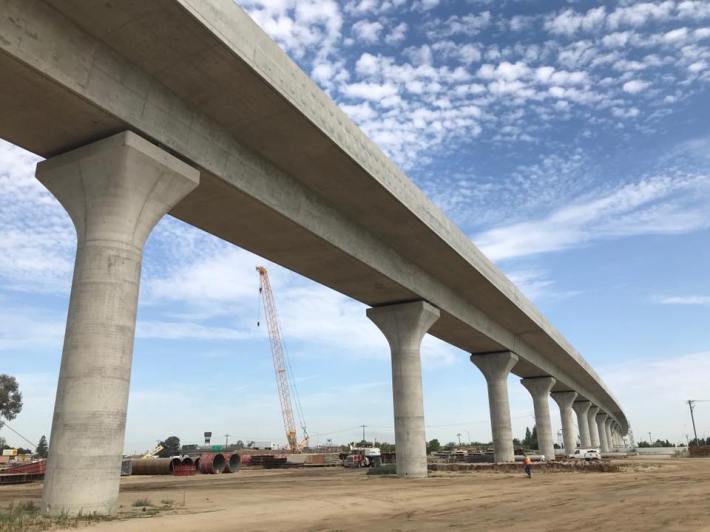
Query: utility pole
x=226, y=441
x=691, y=405
x=459, y=436
x=650, y=440
x=363, y=432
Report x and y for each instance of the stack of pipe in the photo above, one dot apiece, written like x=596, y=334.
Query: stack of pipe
x=233, y=464
x=212, y=463
x=154, y=466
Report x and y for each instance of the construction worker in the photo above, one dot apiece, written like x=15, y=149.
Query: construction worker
x=526, y=466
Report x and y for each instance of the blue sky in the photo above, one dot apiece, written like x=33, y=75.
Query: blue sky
x=570, y=140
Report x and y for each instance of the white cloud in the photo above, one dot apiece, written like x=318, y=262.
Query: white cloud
x=37, y=238
x=569, y=22
x=685, y=300
x=367, y=31
x=660, y=205
x=468, y=25
x=397, y=34
x=635, y=86
x=369, y=91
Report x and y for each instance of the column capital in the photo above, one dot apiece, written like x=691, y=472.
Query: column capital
x=404, y=323
x=564, y=399
x=538, y=385
x=582, y=406
x=116, y=189
x=495, y=365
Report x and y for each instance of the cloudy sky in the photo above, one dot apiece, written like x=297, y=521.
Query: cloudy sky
x=570, y=140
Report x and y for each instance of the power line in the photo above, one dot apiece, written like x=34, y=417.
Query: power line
x=34, y=445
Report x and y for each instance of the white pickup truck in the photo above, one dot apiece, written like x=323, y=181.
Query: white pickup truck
x=586, y=454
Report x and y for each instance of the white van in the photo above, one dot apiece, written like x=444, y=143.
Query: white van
x=586, y=454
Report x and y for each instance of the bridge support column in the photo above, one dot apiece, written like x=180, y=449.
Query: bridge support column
x=495, y=368
x=609, y=436
x=404, y=325
x=581, y=408
x=539, y=388
x=593, y=427
x=565, y=400
x=601, y=429
x=115, y=191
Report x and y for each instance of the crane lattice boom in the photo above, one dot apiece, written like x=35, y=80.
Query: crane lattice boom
x=279, y=359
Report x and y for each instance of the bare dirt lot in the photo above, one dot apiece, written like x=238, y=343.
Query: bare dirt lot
x=645, y=495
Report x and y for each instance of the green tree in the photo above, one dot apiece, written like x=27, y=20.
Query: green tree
x=171, y=447
x=42, y=447
x=530, y=440
x=10, y=398
x=239, y=444
x=433, y=446
x=527, y=438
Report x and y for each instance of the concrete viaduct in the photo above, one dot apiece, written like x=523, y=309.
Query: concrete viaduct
x=186, y=107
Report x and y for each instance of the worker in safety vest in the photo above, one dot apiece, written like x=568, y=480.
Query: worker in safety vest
x=526, y=466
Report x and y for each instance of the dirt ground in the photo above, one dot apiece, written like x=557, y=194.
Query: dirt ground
x=645, y=495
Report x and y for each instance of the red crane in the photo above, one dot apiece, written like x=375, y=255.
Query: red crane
x=282, y=367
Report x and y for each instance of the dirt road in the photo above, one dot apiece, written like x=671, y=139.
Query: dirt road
x=646, y=495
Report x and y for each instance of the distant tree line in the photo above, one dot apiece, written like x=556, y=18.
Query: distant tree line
x=657, y=443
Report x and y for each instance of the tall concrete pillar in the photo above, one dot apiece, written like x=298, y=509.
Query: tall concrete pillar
x=495, y=368
x=404, y=325
x=601, y=429
x=593, y=427
x=115, y=191
x=581, y=408
x=565, y=400
x=609, y=437
x=539, y=388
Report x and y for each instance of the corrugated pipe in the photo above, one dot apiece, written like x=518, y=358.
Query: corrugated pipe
x=233, y=463
x=211, y=463
x=153, y=466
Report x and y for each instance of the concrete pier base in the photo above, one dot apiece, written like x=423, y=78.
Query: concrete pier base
x=593, y=427
x=581, y=408
x=539, y=389
x=404, y=325
x=565, y=400
x=495, y=368
x=601, y=429
x=115, y=191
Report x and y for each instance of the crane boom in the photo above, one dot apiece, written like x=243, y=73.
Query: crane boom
x=279, y=359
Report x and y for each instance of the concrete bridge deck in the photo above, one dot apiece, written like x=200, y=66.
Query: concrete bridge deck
x=284, y=172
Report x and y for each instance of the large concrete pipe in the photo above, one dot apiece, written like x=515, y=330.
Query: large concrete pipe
x=153, y=466
x=211, y=463
x=233, y=463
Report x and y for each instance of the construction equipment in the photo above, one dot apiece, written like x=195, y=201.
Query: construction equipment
x=153, y=453
x=282, y=367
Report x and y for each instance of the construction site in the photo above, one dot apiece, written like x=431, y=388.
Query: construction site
x=170, y=168
x=636, y=494
x=210, y=486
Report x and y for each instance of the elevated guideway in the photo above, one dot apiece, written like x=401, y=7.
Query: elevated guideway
x=284, y=172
